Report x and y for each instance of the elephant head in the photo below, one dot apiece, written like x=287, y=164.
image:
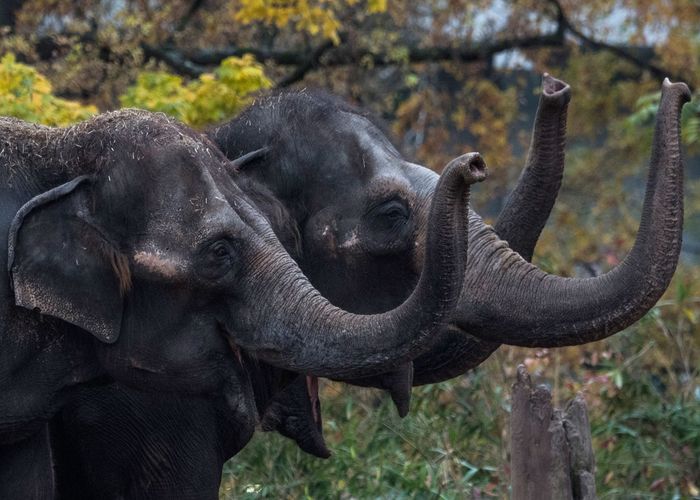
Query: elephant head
x=354, y=217
x=357, y=206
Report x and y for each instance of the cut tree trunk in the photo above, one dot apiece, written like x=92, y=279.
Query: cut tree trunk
x=551, y=450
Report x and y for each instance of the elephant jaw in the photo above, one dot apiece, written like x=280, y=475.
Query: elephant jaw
x=295, y=412
x=296, y=419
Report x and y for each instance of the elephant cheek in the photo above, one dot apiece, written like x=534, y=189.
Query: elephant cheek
x=352, y=243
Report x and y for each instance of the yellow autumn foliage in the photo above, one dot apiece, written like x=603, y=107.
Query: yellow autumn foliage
x=315, y=17
x=26, y=94
x=211, y=98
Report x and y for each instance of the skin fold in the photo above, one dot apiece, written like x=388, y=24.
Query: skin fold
x=333, y=239
x=109, y=277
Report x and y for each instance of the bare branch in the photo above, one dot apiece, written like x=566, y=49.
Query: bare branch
x=301, y=70
x=327, y=55
x=194, y=63
x=174, y=59
x=194, y=7
x=8, y=9
x=641, y=57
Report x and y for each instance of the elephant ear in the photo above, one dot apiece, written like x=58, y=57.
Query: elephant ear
x=62, y=264
x=248, y=159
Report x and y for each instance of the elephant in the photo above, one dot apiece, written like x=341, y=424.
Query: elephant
x=134, y=256
x=339, y=179
x=294, y=409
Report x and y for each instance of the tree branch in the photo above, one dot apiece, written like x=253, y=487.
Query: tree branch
x=641, y=57
x=174, y=59
x=300, y=72
x=196, y=62
x=194, y=7
x=8, y=9
x=327, y=55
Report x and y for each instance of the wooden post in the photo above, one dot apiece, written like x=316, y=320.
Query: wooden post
x=551, y=450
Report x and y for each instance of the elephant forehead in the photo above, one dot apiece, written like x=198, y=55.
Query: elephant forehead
x=367, y=136
x=188, y=215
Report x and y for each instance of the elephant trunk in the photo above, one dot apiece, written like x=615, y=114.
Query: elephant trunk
x=526, y=211
x=295, y=328
x=520, y=223
x=510, y=301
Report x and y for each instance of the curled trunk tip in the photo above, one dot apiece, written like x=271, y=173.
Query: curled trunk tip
x=471, y=167
x=555, y=90
x=680, y=87
x=521, y=305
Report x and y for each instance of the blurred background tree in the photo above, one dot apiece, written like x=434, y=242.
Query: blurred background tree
x=447, y=76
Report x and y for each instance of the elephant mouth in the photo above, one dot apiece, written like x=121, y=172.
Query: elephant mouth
x=295, y=412
x=288, y=402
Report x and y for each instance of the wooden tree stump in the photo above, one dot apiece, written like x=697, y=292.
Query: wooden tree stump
x=551, y=450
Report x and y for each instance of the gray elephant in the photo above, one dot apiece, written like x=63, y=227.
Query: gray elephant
x=358, y=210
x=130, y=228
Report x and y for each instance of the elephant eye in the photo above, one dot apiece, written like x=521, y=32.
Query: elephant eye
x=220, y=249
x=393, y=211
x=216, y=259
x=387, y=227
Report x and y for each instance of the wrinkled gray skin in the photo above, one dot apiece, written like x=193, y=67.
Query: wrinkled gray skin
x=520, y=224
x=130, y=228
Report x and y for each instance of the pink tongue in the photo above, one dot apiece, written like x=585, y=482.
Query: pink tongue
x=312, y=389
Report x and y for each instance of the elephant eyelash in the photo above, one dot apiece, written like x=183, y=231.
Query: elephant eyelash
x=399, y=209
x=385, y=201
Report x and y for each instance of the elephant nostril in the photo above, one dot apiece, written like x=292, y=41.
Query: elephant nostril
x=552, y=86
x=477, y=168
x=471, y=166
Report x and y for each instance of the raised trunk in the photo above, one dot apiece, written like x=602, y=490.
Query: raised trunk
x=295, y=328
x=528, y=207
x=510, y=301
x=520, y=223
